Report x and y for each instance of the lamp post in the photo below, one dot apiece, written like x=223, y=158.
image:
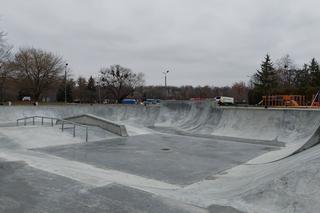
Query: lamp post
x=165, y=81
x=65, y=83
x=99, y=89
x=165, y=78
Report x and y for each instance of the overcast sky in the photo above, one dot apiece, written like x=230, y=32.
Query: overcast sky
x=201, y=42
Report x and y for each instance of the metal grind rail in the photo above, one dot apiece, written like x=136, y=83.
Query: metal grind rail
x=53, y=120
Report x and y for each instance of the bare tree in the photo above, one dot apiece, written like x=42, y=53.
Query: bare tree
x=240, y=92
x=121, y=81
x=5, y=53
x=286, y=70
x=81, y=89
x=38, y=69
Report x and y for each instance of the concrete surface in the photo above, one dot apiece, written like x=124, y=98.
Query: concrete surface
x=169, y=158
x=294, y=128
x=24, y=189
x=241, y=160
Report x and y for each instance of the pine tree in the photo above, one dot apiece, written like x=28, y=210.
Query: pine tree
x=314, y=73
x=81, y=91
x=302, y=80
x=91, y=87
x=69, y=89
x=265, y=79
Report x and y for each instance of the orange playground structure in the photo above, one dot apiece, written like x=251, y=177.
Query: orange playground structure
x=284, y=100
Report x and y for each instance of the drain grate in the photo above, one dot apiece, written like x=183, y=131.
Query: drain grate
x=165, y=149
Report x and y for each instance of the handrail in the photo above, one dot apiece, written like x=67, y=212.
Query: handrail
x=63, y=122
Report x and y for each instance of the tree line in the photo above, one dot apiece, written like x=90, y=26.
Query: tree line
x=284, y=77
x=45, y=76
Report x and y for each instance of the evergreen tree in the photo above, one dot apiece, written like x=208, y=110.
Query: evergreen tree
x=69, y=89
x=91, y=88
x=314, y=73
x=91, y=84
x=265, y=80
x=302, y=80
x=81, y=90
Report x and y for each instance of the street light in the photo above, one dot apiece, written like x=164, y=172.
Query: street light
x=99, y=88
x=165, y=77
x=165, y=81
x=65, y=83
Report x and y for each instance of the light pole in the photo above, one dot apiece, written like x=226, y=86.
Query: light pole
x=165, y=81
x=99, y=89
x=165, y=78
x=65, y=83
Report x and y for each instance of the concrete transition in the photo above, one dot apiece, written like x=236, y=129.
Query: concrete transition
x=88, y=119
x=180, y=156
x=293, y=129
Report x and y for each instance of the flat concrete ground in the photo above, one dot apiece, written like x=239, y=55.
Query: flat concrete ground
x=25, y=189
x=132, y=172
x=29, y=190
x=179, y=160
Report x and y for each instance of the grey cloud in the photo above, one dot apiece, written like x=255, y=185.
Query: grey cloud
x=213, y=42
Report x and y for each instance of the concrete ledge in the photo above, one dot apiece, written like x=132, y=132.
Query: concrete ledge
x=8, y=124
x=88, y=119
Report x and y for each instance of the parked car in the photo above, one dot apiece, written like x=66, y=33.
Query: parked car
x=129, y=101
x=151, y=101
x=26, y=98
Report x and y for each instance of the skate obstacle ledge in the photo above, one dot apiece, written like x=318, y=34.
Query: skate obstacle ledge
x=92, y=120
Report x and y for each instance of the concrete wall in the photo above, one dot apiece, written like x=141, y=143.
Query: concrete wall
x=269, y=125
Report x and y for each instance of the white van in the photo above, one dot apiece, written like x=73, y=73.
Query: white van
x=222, y=100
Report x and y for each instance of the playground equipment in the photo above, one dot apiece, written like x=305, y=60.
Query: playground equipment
x=283, y=100
x=316, y=100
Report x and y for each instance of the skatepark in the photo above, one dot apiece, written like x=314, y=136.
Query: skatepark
x=179, y=156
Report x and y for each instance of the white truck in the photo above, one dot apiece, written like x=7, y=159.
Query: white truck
x=223, y=100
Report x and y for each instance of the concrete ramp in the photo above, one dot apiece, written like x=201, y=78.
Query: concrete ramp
x=290, y=149
x=88, y=119
x=294, y=129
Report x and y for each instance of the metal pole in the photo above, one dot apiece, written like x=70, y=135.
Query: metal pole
x=86, y=134
x=74, y=130
x=62, y=126
x=42, y=121
x=99, y=93
x=17, y=122
x=65, y=83
x=165, y=82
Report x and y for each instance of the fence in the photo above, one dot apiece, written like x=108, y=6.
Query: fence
x=53, y=121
